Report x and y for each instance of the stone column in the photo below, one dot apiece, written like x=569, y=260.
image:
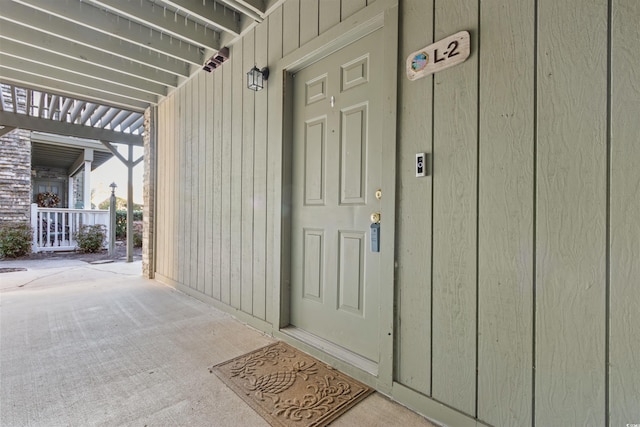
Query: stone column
x=149, y=192
x=15, y=176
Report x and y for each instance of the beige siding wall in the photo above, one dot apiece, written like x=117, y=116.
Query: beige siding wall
x=518, y=281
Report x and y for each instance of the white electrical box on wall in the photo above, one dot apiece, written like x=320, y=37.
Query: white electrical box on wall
x=421, y=164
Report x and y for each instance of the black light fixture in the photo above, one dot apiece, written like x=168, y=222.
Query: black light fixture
x=256, y=78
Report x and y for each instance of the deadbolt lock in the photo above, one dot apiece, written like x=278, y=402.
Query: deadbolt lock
x=379, y=194
x=375, y=218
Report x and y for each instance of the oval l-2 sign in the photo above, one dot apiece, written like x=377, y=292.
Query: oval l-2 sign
x=438, y=56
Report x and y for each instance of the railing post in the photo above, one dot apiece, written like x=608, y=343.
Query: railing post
x=34, y=227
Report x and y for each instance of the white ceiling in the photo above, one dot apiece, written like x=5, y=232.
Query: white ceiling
x=123, y=54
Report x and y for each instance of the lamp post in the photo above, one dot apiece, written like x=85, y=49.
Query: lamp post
x=112, y=219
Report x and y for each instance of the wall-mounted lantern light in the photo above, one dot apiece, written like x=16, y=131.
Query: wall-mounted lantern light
x=256, y=78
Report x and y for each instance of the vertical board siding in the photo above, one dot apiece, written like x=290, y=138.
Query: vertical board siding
x=203, y=194
x=624, y=341
x=248, y=147
x=208, y=185
x=309, y=11
x=175, y=176
x=179, y=182
x=216, y=218
x=168, y=194
x=413, y=364
x=194, y=199
x=187, y=131
x=349, y=7
x=260, y=183
x=237, y=98
x=290, y=26
x=225, y=252
x=274, y=168
x=165, y=195
x=571, y=211
x=527, y=224
x=191, y=191
x=196, y=195
x=185, y=191
x=161, y=168
x=195, y=181
x=328, y=14
x=180, y=238
x=455, y=157
x=505, y=213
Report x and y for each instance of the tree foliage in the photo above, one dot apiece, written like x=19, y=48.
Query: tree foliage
x=121, y=204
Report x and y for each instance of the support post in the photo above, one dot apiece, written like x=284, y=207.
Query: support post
x=34, y=227
x=112, y=220
x=130, y=205
x=71, y=201
x=86, y=196
x=86, y=191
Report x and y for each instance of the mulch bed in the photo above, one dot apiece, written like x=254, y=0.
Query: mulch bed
x=11, y=270
x=120, y=254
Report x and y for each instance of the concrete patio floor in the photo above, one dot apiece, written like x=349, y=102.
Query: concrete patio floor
x=84, y=344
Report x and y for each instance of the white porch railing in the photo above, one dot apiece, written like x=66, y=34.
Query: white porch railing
x=53, y=228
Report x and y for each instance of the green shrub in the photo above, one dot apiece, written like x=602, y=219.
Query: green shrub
x=121, y=223
x=91, y=238
x=15, y=239
x=137, y=234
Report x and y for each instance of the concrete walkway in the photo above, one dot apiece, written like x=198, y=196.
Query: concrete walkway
x=84, y=344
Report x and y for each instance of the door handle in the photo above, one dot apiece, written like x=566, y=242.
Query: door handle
x=375, y=218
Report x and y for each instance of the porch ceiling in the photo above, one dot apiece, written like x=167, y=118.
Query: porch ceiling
x=99, y=64
x=43, y=154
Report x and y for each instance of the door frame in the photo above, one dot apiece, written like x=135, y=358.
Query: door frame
x=383, y=14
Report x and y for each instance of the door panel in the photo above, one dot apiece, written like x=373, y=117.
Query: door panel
x=353, y=155
x=336, y=173
x=351, y=267
x=314, y=151
x=313, y=262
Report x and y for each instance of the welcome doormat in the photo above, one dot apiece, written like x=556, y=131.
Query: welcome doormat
x=290, y=388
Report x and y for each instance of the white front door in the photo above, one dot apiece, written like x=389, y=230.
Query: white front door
x=336, y=186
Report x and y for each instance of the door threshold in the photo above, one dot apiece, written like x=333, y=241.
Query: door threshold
x=332, y=349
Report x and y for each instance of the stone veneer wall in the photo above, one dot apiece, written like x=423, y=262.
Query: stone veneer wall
x=149, y=186
x=15, y=176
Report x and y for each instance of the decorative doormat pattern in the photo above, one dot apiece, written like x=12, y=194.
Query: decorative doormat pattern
x=290, y=388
